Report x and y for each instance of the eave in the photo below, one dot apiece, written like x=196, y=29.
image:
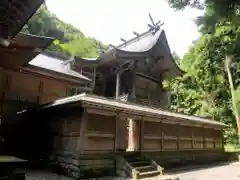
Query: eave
x=15, y=14
x=87, y=100
x=23, y=48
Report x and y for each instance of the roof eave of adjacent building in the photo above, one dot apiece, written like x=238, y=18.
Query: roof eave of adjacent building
x=84, y=98
x=55, y=74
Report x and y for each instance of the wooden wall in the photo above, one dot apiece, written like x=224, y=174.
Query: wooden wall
x=151, y=93
x=172, y=137
x=99, y=142
x=100, y=133
x=28, y=87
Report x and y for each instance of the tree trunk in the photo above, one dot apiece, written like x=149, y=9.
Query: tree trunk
x=237, y=115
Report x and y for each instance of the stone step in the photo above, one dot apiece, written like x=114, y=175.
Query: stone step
x=148, y=174
x=146, y=168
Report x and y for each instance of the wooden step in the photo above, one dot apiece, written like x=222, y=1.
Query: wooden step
x=134, y=159
x=146, y=168
x=139, y=163
x=148, y=174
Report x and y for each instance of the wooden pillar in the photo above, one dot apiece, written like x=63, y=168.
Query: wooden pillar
x=121, y=134
x=178, y=136
x=162, y=137
x=40, y=92
x=141, y=134
x=149, y=93
x=222, y=138
x=117, y=85
x=133, y=95
x=204, y=139
x=192, y=139
x=83, y=131
x=116, y=139
x=93, y=79
x=6, y=87
x=4, y=91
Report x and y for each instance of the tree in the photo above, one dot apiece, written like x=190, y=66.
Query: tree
x=70, y=39
x=205, y=61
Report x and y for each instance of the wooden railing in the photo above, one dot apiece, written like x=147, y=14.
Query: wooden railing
x=140, y=101
x=123, y=97
x=146, y=102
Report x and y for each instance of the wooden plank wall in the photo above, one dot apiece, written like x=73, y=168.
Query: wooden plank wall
x=100, y=133
x=172, y=137
x=28, y=87
x=99, y=144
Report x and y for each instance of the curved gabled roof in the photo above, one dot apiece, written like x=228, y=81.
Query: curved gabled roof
x=150, y=43
x=142, y=43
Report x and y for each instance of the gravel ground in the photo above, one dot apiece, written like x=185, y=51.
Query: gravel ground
x=220, y=172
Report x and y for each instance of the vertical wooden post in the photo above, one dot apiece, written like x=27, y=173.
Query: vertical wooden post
x=222, y=138
x=133, y=95
x=192, y=138
x=141, y=134
x=117, y=85
x=178, y=137
x=116, y=140
x=149, y=93
x=93, y=79
x=4, y=91
x=162, y=137
x=6, y=87
x=40, y=92
x=204, y=139
x=83, y=131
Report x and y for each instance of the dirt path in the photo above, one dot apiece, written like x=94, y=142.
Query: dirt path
x=219, y=172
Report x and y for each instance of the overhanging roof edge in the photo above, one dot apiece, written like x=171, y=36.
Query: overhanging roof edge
x=135, y=107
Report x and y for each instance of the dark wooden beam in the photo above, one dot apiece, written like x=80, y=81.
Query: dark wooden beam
x=148, y=77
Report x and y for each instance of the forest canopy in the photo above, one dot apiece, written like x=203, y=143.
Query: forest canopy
x=69, y=39
x=206, y=88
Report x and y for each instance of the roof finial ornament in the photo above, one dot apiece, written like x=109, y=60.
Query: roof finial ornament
x=110, y=46
x=123, y=40
x=136, y=34
x=101, y=51
x=154, y=26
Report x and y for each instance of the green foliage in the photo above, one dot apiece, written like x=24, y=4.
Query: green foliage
x=70, y=40
x=204, y=90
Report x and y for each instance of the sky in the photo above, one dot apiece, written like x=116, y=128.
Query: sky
x=110, y=20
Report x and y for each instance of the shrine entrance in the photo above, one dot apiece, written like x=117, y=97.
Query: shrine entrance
x=134, y=134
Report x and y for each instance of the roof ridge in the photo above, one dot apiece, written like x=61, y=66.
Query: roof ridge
x=135, y=38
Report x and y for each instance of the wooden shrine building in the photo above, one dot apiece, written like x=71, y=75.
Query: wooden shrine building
x=117, y=116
